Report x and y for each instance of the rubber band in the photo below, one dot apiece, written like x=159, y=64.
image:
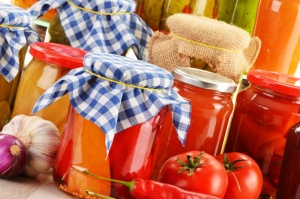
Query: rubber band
x=95, y=12
x=8, y=26
x=122, y=83
x=205, y=45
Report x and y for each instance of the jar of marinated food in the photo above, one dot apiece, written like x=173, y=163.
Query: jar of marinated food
x=49, y=63
x=26, y=4
x=80, y=24
x=241, y=13
x=210, y=97
x=15, y=36
x=127, y=100
x=289, y=181
x=264, y=113
x=156, y=12
x=278, y=27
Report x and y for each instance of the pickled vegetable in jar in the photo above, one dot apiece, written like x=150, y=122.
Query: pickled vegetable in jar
x=156, y=12
x=241, y=13
x=15, y=36
x=82, y=145
x=127, y=99
x=210, y=97
x=264, y=113
x=81, y=24
x=278, y=27
x=49, y=63
x=26, y=4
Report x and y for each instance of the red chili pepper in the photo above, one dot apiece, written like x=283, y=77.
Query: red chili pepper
x=149, y=189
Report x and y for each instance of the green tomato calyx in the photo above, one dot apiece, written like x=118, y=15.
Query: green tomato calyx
x=191, y=164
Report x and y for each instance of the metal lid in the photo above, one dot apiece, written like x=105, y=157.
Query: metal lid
x=204, y=79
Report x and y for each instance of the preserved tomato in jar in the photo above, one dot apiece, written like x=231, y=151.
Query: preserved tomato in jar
x=264, y=113
x=241, y=13
x=278, y=27
x=210, y=97
x=49, y=63
x=82, y=145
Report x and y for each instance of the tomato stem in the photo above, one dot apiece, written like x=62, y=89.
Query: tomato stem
x=192, y=163
x=230, y=166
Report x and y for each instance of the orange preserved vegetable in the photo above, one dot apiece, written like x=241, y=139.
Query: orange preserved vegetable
x=264, y=113
x=82, y=145
x=278, y=27
x=210, y=98
x=50, y=62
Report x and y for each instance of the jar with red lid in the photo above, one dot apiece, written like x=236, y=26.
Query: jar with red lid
x=210, y=97
x=118, y=106
x=264, y=113
x=49, y=63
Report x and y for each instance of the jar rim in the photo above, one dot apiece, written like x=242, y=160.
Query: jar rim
x=275, y=81
x=204, y=79
x=58, y=54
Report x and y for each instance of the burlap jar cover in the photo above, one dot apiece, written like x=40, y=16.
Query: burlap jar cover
x=227, y=49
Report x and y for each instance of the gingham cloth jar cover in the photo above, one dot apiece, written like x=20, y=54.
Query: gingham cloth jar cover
x=15, y=33
x=108, y=26
x=117, y=92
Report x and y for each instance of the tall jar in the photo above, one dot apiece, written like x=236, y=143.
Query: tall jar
x=156, y=12
x=278, y=27
x=241, y=13
x=15, y=36
x=264, y=113
x=49, y=63
x=127, y=100
x=289, y=181
x=210, y=97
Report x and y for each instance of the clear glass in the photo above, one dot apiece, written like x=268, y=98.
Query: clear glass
x=82, y=145
x=8, y=91
x=36, y=79
x=259, y=125
x=211, y=111
x=278, y=27
x=241, y=13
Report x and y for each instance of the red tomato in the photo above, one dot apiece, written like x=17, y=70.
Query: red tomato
x=195, y=171
x=245, y=178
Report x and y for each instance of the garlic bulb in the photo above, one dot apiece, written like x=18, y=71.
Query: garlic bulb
x=41, y=138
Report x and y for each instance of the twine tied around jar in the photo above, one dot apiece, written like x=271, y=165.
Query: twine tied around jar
x=227, y=49
x=108, y=26
x=117, y=92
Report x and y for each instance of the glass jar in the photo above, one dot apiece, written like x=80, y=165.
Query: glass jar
x=56, y=33
x=241, y=13
x=156, y=12
x=210, y=97
x=135, y=157
x=26, y=4
x=49, y=63
x=278, y=27
x=289, y=181
x=264, y=113
x=82, y=145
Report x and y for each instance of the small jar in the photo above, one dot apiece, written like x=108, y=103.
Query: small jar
x=289, y=181
x=127, y=100
x=210, y=97
x=15, y=36
x=156, y=12
x=278, y=27
x=49, y=63
x=264, y=113
x=241, y=13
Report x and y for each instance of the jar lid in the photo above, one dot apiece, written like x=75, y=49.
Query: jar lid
x=58, y=54
x=275, y=81
x=204, y=79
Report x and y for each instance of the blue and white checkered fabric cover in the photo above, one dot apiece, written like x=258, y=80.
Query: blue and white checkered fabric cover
x=128, y=92
x=109, y=32
x=15, y=32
